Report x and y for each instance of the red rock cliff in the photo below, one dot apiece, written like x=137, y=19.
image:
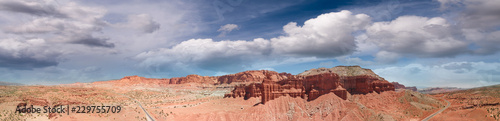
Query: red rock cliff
x=251, y=76
x=270, y=84
x=316, y=82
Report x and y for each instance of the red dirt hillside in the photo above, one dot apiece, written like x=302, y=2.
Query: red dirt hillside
x=348, y=93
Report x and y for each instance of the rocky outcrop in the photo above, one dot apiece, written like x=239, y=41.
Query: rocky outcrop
x=313, y=94
x=380, y=86
x=401, y=86
x=341, y=92
x=354, y=79
x=246, y=77
x=251, y=76
x=398, y=86
x=193, y=79
x=412, y=88
x=270, y=89
x=253, y=90
x=320, y=84
x=239, y=91
x=316, y=82
x=269, y=85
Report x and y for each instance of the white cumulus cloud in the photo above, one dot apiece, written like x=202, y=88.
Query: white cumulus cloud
x=207, y=54
x=417, y=36
x=66, y=23
x=328, y=35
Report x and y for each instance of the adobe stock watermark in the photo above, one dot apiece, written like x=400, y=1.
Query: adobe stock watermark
x=223, y=6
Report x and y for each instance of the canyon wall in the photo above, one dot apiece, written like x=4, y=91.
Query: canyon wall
x=316, y=82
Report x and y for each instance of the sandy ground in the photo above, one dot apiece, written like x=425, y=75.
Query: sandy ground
x=479, y=104
x=190, y=102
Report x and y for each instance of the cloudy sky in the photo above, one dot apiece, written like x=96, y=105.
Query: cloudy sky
x=414, y=42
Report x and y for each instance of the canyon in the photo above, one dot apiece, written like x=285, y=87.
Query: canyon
x=311, y=84
x=342, y=93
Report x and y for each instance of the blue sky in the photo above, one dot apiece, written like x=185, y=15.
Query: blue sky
x=414, y=42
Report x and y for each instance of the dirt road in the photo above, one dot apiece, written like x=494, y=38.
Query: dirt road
x=149, y=117
x=429, y=117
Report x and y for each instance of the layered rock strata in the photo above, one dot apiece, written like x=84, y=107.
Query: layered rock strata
x=316, y=82
x=269, y=85
x=246, y=77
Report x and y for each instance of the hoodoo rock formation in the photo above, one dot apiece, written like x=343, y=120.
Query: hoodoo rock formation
x=313, y=83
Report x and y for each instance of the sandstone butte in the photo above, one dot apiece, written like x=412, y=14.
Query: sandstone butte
x=313, y=83
x=269, y=85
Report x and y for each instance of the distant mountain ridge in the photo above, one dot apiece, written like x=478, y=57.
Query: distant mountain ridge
x=10, y=84
x=436, y=90
x=245, y=77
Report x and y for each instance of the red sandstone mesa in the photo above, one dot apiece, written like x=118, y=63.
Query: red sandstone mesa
x=316, y=82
